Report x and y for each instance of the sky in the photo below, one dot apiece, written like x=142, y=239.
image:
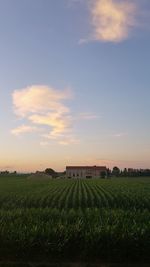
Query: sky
x=74, y=84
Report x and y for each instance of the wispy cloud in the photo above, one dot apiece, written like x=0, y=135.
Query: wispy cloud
x=44, y=110
x=87, y=116
x=119, y=135
x=40, y=99
x=111, y=20
x=44, y=143
x=43, y=106
x=23, y=129
x=69, y=140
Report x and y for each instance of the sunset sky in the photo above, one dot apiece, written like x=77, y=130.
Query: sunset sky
x=74, y=83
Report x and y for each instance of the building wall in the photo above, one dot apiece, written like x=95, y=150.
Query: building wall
x=85, y=172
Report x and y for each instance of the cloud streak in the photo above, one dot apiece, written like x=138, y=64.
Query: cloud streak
x=119, y=135
x=39, y=99
x=87, y=116
x=23, y=129
x=112, y=20
x=43, y=109
x=43, y=106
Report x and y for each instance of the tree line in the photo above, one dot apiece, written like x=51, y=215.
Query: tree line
x=128, y=172
x=115, y=172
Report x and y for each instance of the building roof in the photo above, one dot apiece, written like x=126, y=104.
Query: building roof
x=87, y=167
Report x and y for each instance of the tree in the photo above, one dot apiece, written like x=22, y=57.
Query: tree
x=51, y=172
x=103, y=174
x=108, y=173
x=125, y=172
x=116, y=171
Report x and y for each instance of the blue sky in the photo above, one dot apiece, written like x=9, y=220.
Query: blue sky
x=74, y=83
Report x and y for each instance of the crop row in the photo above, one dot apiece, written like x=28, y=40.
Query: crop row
x=75, y=218
x=75, y=233
x=76, y=194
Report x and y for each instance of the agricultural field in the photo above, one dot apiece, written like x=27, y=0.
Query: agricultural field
x=75, y=219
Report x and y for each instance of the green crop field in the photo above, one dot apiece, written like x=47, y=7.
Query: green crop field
x=94, y=219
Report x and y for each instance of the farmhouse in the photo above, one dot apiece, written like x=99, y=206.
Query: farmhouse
x=85, y=171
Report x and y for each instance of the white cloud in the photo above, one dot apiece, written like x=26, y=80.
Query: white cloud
x=39, y=99
x=58, y=121
x=43, y=105
x=23, y=129
x=45, y=111
x=112, y=20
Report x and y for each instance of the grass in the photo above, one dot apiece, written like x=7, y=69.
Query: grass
x=75, y=219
